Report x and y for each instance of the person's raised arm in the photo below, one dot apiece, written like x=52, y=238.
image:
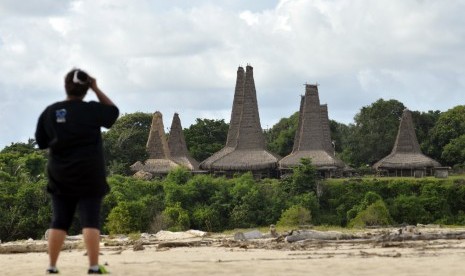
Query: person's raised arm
x=100, y=95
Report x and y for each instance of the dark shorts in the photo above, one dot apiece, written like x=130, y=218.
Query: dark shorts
x=64, y=208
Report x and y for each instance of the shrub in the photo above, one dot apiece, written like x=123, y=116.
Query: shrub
x=126, y=217
x=179, y=176
x=368, y=199
x=376, y=214
x=177, y=218
x=294, y=216
x=206, y=218
x=410, y=210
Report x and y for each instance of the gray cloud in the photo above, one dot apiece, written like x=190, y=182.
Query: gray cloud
x=33, y=8
x=182, y=56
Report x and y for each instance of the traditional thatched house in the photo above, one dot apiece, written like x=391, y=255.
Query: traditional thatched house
x=313, y=139
x=245, y=145
x=406, y=158
x=162, y=157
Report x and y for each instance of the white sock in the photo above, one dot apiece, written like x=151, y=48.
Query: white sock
x=94, y=267
x=54, y=268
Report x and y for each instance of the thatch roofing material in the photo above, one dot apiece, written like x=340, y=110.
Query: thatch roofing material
x=250, y=134
x=245, y=146
x=299, y=124
x=156, y=166
x=157, y=146
x=406, y=161
x=178, y=148
x=165, y=155
x=327, y=144
x=250, y=159
x=236, y=111
x=320, y=159
x=312, y=139
x=208, y=163
x=406, y=153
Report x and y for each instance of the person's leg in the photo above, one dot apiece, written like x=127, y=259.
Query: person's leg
x=92, y=241
x=56, y=238
x=89, y=211
x=63, y=212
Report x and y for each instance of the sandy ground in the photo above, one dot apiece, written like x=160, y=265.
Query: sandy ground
x=223, y=256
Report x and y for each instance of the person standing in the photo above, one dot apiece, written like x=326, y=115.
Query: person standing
x=70, y=129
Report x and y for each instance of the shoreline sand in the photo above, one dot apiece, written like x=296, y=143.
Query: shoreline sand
x=225, y=256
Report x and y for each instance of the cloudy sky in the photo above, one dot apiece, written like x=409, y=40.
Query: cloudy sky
x=182, y=56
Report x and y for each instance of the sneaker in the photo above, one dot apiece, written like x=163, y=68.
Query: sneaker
x=101, y=270
x=52, y=271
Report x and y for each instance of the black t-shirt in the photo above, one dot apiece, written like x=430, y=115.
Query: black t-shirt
x=71, y=130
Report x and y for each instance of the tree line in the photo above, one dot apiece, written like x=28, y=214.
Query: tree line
x=360, y=144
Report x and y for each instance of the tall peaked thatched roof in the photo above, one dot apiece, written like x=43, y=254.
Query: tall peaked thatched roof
x=238, y=103
x=327, y=143
x=165, y=155
x=231, y=141
x=312, y=139
x=157, y=146
x=250, y=134
x=406, y=153
x=159, y=161
x=299, y=124
x=245, y=145
x=177, y=146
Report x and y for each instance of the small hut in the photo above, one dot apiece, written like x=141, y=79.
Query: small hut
x=406, y=158
x=313, y=138
x=164, y=155
x=245, y=144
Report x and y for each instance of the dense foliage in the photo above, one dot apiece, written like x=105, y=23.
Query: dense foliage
x=447, y=133
x=124, y=144
x=181, y=200
x=205, y=137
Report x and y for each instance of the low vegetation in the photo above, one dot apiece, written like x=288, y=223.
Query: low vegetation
x=182, y=201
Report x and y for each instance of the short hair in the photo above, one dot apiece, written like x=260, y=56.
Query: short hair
x=77, y=82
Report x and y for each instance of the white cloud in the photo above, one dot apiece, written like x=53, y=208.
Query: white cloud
x=249, y=18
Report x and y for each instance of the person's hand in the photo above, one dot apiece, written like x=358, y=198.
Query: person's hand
x=100, y=95
x=93, y=84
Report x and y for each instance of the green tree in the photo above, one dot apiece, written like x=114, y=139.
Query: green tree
x=303, y=178
x=21, y=148
x=339, y=135
x=280, y=138
x=454, y=151
x=22, y=163
x=25, y=210
x=205, y=137
x=125, y=142
x=424, y=123
x=449, y=126
x=374, y=132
